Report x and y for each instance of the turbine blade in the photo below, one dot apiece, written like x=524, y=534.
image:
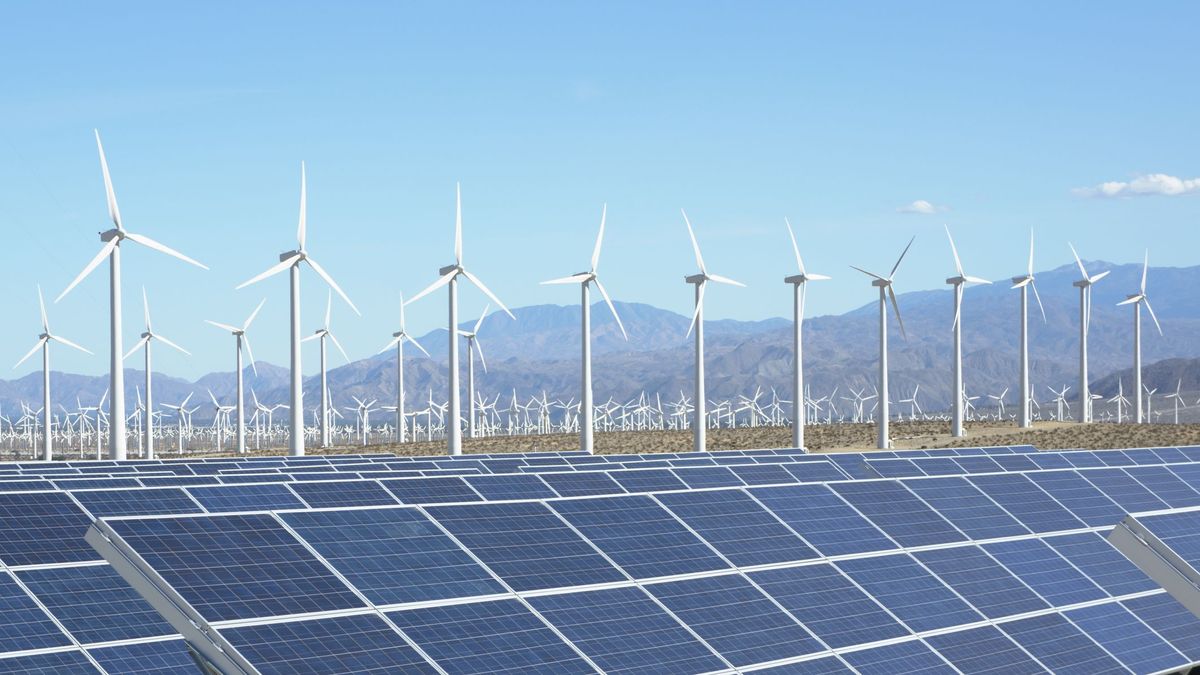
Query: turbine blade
x=391, y=344
x=901, y=258
x=695, y=246
x=870, y=274
x=479, y=284
x=401, y=312
x=573, y=279
x=1100, y=276
x=172, y=344
x=1145, y=266
x=36, y=346
x=146, y=310
x=339, y=346
x=1077, y=260
x=1030, y=252
x=416, y=344
x=253, y=314
x=696, y=312
x=271, y=271
x=817, y=277
x=113, y=212
x=1130, y=300
x=150, y=243
x=479, y=349
x=481, y=318
x=1152, y=316
x=1033, y=285
x=957, y=263
x=458, y=223
x=725, y=280
x=250, y=353
x=795, y=248
x=136, y=346
x=599, y=238
x=302, y=226
x=68, y=343
x=42, y=307
x=104, y=253
x=442, y=281
x=312, y=337
x=328, y=307
x=977, y=280
x=957, y=305
x=329, y=280
x=896, y=307
x=222, y=326
x=611, y=308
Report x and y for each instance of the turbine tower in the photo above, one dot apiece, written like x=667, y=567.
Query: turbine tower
x=241, y=338
x=43, y=343
x=799, y=284
x=585, y=279
x=1025, y=283
x=1137, y=299
x=147, y=337
x=111, y=249
x=398, y=340
x=886, y=293
x=1084, y=284
x=700, y=280
x=959, y=282
x=449, y=275
x=321, y=334
x=290, y=260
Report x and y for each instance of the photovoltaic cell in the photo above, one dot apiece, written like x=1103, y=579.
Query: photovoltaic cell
x=1050, y=460
x=978, y=464
x=811, y=472
x=709, y=477
x=992, y=589
x=623, y=631
x=1059, y=645
x=966, y=507
x=898, y=512
x=1085, y=500
x=736, y=619
x=1026, y=502
x=437, y=490
x=647, y=480
x=1045, y=571
x=909, y=591
x=53, y=663
x=23, y=625
x=164, y=657
x=94, y=603
x=265, y=497
x=828, y=604
x=526, y=545
x=511, y=486
x=235, y=566
x=1169, y=619
x=894, y=468
x=502, y=636
x=360, y=643
x=333, y=494
x=393, y=555
x=904, y=657
x=144, y=502
x=763, y=474
x=582, y=484
x=42, y=528
x=823, y=519
x=984, y=650
x=737, y=526
x=1126, y=638
x=639, y=535
x=1015, y=463
x=1165, y=485
x=1103, y=563
x=1124, y=490
x=828, y=665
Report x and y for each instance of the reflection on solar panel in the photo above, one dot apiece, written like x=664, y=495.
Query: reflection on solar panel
x=510, y=487
x=345, y=644
x=1026, y=502
x=709, y=477
x=501, y=636
x=582, y=484
x=1084, y=499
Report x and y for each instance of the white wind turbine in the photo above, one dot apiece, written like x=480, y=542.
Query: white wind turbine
x=112, y=250
x=321, y=334
x=886, y=293
x=144, y=342
x=290, y=260
x=1084, y=284
x=700, y=280
x=1136, y=300
x=799, y=284
x=242, y=339
x=449, y=275
x=1178, y=399
x=1120, y=400
x=959, y=281
x=398, y=340
x=1025, y=283
x=473, y=347
x=43, y=343
x=585, y=279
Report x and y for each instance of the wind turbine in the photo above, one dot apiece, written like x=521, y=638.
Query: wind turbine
x=959, y=281
x=1120, y=400
x=1136, y=300
x=700, y=280
x=799, y=284
x=112, y=250
x=43, y=343
x=449, y=275
x=321, y=334
x=473, y=347
x=585, y=279
x=290, y=260
x=1178, y=399
x=1084, y=284
x=886, y=293
x=398, y=340
x=1025, y=283
x=241, y=338
x=147, y=337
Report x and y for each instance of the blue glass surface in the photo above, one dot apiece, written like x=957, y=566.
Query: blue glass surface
x=811, y=472
x=265, y=497
x=143, y=502
x=42, y=527
x=1084, y=499
x=54, y=663
x=647, y=480
x=511, y=486
x=709, y=477
x=984, y=650
x=1169, y=619
x=904, y=657
x=982, y=581
x=1045, y=571
x=1127, y=638
x=1165, y=485
x=94, y=603
x=582, y=484
x=909, y=591
x=737, y=526
x=23, y=625
x=436, y=490
x=763, y=474
x=823, y=519
x=1102, y=563
x=966, y=507
x=898, y=512
x=1060, y=646
x=1027, y=502
x=163, y=657
x=343, y=493
x=1131, y=495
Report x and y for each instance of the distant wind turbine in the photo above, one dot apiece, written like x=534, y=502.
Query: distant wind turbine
x=1084, y=284
x=1137, y=299
x=473, y=347
x=112, y=250
x=1025, y=283
x=700, y=280
x=326, y=407
x=449, y=275
x=242, y=340
x=799, y=284
x=290, y=260
x=886, y=293
x=147, y=337
x=43, y=343
x=398, y=340
x=959, y=282
x=585, y=279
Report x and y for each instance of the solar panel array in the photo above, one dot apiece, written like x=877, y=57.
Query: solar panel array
x=691, y=564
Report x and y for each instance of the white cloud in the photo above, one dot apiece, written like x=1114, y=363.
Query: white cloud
x=922, y=207
x=1141, y=186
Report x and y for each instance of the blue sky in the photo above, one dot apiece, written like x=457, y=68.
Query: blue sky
x=836, y=115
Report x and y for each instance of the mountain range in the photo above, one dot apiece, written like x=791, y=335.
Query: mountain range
x=539, y=351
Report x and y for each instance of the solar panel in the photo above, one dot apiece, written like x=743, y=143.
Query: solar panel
x=512, y=486
x=1165, y=616
x=502, y=636
x=737, y=526
x=346, y=644
x=647, y=480
x=894, y=468
x=264, y=497
x=1103, y=564
x=144, y=502
x=982, y=581
x=526, y=545
x=235, y=566
x=736, y=619
x=913, y=656
x=1165, y=485
x=978, y=464
x=431, y=490
x=823, y=519
x=640, y=536
x=898, y=512
x=709, y=477
x=1127, y=638
x=1026, y=502
x=23, y=625
x=1084, y=499
x=1045, y=571
x=393, y=555
x=1131, y=495
x=1059, y=645
x=810, y=472
x=966, y=507
x=1015, y=462
x=162, y=657
x=622, y=630
x=52, y=663
x=343, y=493
x=94, y=603
x=763, y=474
x=42, y=528
x=984, y=650
x=829, y=604
x=909, y=591
x=582, y=484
